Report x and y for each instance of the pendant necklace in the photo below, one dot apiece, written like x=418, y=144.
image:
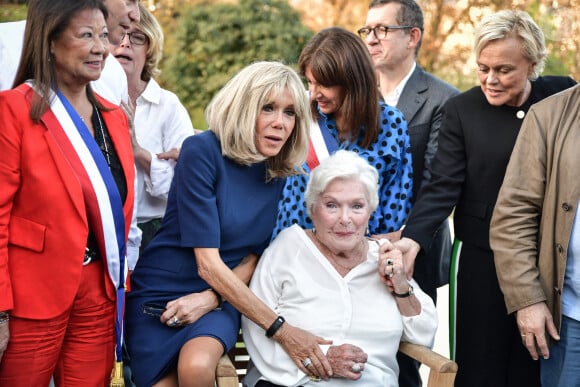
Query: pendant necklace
x=104, y=140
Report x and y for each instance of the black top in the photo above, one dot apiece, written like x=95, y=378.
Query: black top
x=107, y=147
x=475, y=143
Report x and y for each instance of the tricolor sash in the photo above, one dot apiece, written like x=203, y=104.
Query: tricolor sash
x=321, y=145
x=101, y=196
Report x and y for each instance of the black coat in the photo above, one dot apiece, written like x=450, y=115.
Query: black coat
x=421, y=103
x=475, y=144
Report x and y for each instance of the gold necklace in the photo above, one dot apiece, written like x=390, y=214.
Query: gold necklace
x=348, y=268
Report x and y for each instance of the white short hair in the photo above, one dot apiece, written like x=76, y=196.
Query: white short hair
x=343, y=165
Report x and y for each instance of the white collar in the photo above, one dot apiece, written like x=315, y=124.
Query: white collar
x=393, y=98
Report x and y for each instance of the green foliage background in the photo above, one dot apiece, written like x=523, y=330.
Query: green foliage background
x=12, y=12
x=207, y=41
x=214, y=41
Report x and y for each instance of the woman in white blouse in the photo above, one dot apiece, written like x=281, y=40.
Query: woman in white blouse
x=336, y=283
x=161, y=122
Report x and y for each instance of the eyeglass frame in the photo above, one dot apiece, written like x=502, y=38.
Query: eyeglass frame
x=153, y=309
x=131, y=35
x=367, y=30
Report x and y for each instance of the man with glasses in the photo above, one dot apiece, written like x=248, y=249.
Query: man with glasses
x=393, y=34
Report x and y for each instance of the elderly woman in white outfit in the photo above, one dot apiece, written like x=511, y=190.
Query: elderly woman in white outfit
x=336, y=283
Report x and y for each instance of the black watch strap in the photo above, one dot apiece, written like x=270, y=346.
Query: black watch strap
x=409, y=293
x=220, y=300
x=275, y=326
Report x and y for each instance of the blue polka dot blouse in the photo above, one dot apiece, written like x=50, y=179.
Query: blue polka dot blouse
x=390, y=154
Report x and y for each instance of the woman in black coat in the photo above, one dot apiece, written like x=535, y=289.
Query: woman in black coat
x=477, y=136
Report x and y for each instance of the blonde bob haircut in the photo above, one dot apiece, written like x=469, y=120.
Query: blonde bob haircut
x=519, y=24
x=234, y=110
x=151, y=28
x=345, y=165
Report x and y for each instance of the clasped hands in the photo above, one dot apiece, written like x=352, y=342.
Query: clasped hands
x=347, y=361
x=343, y=361
x=396, y=261
x=129, y=110
x=407, y=246
x=534, y=321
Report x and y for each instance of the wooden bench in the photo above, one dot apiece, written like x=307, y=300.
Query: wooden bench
x=232, y=366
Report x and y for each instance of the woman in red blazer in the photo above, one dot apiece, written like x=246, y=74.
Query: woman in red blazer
x=66, y=200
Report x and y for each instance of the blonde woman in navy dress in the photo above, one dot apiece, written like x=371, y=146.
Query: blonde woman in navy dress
x=220, y=214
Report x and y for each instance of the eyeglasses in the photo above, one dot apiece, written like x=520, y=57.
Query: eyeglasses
x=153, y=309
x=380, y=31
x=136, y=38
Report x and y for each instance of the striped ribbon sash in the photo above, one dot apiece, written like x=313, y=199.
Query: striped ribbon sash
x=101, y=196
x=321, y=145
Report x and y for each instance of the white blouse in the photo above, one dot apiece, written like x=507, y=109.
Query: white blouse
x=300, y=284
x=161, y=123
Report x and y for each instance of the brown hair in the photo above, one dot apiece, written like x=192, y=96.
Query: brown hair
x=337, y=57
x=45, y=21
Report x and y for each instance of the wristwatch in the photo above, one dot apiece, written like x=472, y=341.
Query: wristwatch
x=220, y=300
x=409, y=293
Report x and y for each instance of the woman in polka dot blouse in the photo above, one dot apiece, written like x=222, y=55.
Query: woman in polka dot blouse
x=345, y=103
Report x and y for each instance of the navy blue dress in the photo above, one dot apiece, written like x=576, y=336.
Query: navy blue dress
x=215, y=203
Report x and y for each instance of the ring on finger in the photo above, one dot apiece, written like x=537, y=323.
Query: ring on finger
x=356, y=367
x=306, y=362
x=389, y=270
x=174, y=321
